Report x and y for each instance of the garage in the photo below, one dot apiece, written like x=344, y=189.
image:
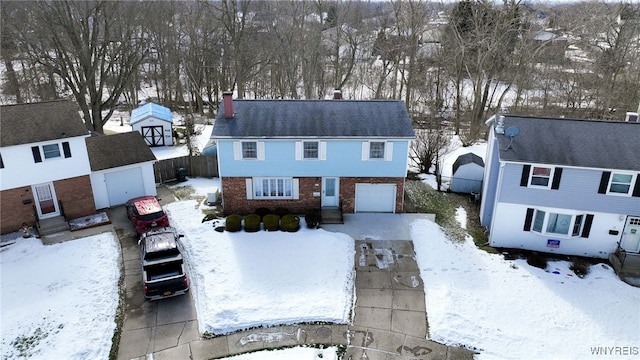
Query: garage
x=375, y=198
x=123, y=185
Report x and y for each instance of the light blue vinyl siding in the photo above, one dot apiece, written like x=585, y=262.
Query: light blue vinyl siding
x=343, y=158
x=578, y=190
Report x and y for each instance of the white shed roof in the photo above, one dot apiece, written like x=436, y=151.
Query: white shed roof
x=151, y=110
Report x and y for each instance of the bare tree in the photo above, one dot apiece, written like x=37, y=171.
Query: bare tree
x=92, y=46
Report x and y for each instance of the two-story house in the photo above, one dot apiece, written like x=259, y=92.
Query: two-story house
x=52, y=170
x=44, y=164
x=303, y=154
x=562, y=185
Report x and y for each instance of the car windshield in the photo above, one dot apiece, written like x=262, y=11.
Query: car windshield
x=151, y=217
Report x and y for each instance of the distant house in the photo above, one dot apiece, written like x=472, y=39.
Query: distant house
x=154, y=122
x=562, y=186
x=468, y=171
x=121, y=168
x=302, y=154
x=44, y=164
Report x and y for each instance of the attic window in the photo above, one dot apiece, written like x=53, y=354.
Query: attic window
x=540, y=176
x=376, y=150
x=51, y=151
x=249, y=150
x=620, y=183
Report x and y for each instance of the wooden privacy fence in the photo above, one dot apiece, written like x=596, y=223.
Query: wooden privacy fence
x=195, y=166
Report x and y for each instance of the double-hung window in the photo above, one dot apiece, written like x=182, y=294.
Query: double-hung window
x=249, y=150
x=310, y=150
x=50, y=151
x=620, y=183
x=540, y=176
x=552, y=223
x=377, y=150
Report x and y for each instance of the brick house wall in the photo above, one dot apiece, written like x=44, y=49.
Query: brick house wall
x=235, y=196
x=17, y=205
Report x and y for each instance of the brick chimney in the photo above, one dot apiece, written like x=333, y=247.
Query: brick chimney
x=337, y=94
x=227, y=102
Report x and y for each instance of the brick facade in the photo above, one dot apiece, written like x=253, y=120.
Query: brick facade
x=234, y=194
x=17, y=205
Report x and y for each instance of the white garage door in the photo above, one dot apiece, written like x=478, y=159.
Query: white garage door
x=375, y=197
x=124, y=185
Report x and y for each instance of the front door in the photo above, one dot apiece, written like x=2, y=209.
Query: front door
x=330, y=191
x=46, y=202
x=630, y=241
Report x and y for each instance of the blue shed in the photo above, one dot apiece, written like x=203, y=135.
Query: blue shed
x=154, y=122
x=468, y=170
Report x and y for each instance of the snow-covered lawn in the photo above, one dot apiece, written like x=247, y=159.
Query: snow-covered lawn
x=59, y=301
x=510, y=310
x=243, y=280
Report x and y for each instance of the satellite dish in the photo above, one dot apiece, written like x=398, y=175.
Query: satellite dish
x=512, y=132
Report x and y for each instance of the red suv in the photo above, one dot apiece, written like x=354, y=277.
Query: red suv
x=146, y=213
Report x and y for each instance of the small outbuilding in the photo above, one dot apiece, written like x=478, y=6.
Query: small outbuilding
x=468, y=170
x=154, y=122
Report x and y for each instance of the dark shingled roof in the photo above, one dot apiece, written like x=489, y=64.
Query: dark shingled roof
x=571, y=142
x=110, y=151
x=36, y=122
x=315, y=118
x=467, y=159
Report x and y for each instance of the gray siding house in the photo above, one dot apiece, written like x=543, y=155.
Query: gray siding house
x=562, y=186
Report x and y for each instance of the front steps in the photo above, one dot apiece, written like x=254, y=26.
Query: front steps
x=52, y=225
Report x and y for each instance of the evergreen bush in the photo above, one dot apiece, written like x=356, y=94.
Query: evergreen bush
x=312, y=218
x=281, y=211
x=233, y=223
x=271, y=222
x=252, y=223
x=290, y=223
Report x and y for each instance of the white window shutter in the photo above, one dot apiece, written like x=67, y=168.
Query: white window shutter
x=260, y=150
x=249, y=188
x=298, y=150
x=237, y=150
x=388, y=151
x=295, y=185
x=323, y=150
x=365, y=150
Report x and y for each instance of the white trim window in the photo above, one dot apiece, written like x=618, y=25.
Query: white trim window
x=311, y=150
x=540, y=176
x=377, y=150
x=556, y=223
x=620, y=183
x=272, y=188
x=248, y=150
x=50, y=151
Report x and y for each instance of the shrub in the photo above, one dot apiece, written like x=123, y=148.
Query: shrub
x=262, y=212
x=580, y=267
x=280, y=211
x=234, y=223
x=312, y=218
x=252, y=223
x=290, y=223
x=271, y=222
x=537, y=260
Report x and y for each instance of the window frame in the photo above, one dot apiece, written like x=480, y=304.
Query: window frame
x=274, y=187
x=377, y=151
x=549, y=178
x=574, y=229
x=243, y=151
x=304, y=150
x=630, y=184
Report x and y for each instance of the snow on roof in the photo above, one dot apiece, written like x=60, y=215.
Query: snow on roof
x=151, y=110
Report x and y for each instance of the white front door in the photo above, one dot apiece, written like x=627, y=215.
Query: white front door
x=46, y=202
x=330, y=191
x=630, y=241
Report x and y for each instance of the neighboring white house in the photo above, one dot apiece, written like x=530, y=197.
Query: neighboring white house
x=121, y=168
x=468, y=170
x=562, y=185
x=154, y=122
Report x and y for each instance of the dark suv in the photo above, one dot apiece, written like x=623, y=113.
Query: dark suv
x=146, y=213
